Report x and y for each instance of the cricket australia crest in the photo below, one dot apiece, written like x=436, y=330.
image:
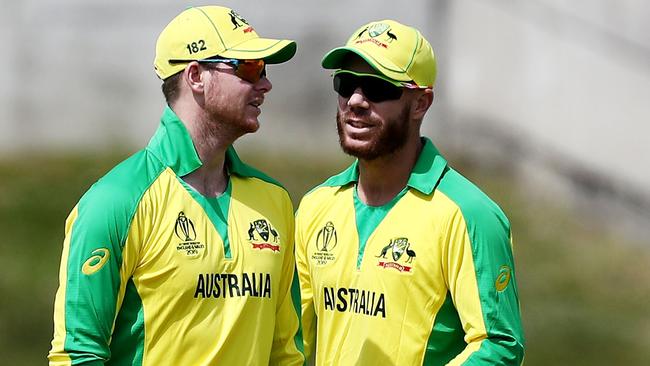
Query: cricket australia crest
x=262, y=235
x=397, y=248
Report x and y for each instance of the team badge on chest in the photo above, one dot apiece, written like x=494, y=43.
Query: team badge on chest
x=262, y=235
x=401, y=253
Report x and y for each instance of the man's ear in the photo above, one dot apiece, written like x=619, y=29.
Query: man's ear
x=193, y=77
x=422, y=103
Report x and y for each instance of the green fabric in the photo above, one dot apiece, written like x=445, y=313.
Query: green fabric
x=295, y=299
x=127, y=345
x=217, y=210
x=489, y=234
x=173, y=145
x=369, y=217
x=424, y=177
x=446, y=339
x=104, y=217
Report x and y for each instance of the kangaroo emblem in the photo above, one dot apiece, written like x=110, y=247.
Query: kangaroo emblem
x=384, y=250
x=251, y=232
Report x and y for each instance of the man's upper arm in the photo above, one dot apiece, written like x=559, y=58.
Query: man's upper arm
x=481, y=279
x=93, y=273
x=287, y=342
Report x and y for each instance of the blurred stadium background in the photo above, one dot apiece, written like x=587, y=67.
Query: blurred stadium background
x=543, y=103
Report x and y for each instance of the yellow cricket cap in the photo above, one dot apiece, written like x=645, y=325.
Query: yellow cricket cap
x=395, y=50
x=207, y=31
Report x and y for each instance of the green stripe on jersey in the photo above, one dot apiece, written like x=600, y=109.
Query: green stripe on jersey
x=100, y=230
x=369, y=217
x=216, y=208
x=446, y=339
x=127, y=345
x=489, y=234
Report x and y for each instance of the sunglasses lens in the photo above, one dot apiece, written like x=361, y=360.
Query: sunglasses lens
x=345, y=84
x=251, y=70
x=378, y=90
x=374, y=89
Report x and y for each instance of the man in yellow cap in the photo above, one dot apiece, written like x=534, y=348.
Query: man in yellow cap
x=182, y=254
x=401, y=260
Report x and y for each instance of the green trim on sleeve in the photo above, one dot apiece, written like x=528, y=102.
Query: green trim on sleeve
x=446, y=340
x=95, y=258
x=489, y=234
x=295, y=299
x=127, y=345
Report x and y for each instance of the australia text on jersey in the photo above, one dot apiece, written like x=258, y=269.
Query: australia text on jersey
x=224, y=285
x=354, y=300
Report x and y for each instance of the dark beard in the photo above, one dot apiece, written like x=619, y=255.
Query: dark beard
x=391, y=137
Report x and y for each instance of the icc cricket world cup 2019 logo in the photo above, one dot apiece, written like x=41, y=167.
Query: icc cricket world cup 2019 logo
x=184, y=228
x=326, y=241
x=185, y=231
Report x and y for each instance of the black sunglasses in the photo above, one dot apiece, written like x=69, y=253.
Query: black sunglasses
x=374, y=87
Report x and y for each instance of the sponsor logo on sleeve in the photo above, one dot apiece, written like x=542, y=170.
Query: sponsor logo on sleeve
x=503, y=279
x=96, y=261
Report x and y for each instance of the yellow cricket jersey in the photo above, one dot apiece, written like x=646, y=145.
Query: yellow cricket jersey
x=427, y=279
x=154, y=273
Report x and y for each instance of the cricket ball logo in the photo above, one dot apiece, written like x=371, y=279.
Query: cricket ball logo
x=398, y=247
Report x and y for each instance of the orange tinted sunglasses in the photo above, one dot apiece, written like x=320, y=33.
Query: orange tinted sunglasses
x=249, y=70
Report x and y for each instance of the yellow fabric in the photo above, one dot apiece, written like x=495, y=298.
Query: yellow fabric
x=414, y=289
x=202, y=32
x=396, y=50
x=211, y=330
x=58, y=356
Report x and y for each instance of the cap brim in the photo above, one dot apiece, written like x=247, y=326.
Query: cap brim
x=334, y=60
x=272, y=51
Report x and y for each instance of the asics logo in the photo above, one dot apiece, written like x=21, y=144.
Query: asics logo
x=503, y=279
x=96, y=262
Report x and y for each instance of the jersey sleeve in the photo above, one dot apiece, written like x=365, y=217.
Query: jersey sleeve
x=479, y=270
x=287, y=340
x=92, y=278
x=308, y=312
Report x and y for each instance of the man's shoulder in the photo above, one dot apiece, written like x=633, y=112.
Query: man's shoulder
x=324, y=196
x=125, y=183
x=474, y=204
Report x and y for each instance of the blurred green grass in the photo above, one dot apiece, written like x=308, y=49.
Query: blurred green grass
x=584, y=291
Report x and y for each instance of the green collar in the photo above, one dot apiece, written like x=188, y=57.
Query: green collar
x=173, y=145
x=424, y=177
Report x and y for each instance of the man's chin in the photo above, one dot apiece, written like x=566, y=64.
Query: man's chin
x=364, y=150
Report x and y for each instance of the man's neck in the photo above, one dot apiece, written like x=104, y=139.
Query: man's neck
x=381, y=179
x=211, y=179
